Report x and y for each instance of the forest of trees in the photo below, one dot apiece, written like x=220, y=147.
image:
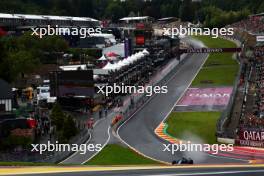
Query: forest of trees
x=23, y=54
x=189, y=10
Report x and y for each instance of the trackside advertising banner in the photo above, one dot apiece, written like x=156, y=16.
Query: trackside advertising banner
x=251, y=137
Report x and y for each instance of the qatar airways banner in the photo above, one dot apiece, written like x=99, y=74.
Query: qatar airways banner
x=251, y=137
x=206, y=96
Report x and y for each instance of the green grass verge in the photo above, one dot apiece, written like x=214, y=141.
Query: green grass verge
x=215, y=42
x=218, y=76
x=189, y=125
x=113, y=154
x=220, y=69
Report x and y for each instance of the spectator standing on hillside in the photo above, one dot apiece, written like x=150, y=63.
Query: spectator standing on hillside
x=100, y=113
x=105, y=111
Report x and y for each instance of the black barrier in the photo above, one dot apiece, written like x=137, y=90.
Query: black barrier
x=210, y=50
x=220, y=130
x=138, y=103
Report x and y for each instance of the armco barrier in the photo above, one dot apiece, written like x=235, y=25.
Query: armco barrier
x=60, y=156
x=223, y=120
x=159, y=79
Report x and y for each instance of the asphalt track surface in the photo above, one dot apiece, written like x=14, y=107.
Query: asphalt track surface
x=173, y=171
x=139, y=134
x=100, y=134
x=138, y=131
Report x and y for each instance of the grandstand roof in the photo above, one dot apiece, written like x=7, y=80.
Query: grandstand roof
x=36, y=17
x=43, y=17
x=258, y=14
x=4, y=15
x=135, y=18
x=167, y=18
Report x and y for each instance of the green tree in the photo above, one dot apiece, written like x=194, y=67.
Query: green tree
x=114, y=11
x=14, y=141
x=69, y=128
x=53, y=44
x=187, y=11
x=19, y=56
x=22, y=62
x=57, y=117
x=261, y=8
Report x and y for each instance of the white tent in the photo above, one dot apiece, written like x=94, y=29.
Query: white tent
x=141, y=55
x=145, y=52
x=121, y=63
x=137, y=56
x=103, y=58
x=131, y=59
x=116, y=66
x=95, y=77
x=109, y=66
x=126, y=61
x=73, y=67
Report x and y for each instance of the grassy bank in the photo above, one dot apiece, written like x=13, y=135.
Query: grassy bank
x=114, y=154
x=192, y=125
x=220, y=69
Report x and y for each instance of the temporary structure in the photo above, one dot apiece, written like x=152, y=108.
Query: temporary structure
x=103, y=58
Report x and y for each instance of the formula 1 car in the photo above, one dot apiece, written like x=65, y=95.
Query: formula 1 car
x=183, y=161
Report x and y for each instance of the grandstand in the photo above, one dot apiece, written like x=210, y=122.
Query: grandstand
x=247, y=114
x=254, y=24
x=17, y=20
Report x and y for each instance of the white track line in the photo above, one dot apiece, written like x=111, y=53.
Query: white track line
x=181, y=98
x=108, y=132
x=75, y=153
x=117, y=132
x=210, y=173
x=162, y=120
x=185, y=89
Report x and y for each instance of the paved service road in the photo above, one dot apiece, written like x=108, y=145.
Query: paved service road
x=100, y=135
x=138, y=132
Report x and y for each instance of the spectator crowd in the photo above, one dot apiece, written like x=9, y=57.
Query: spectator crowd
x=254, y=24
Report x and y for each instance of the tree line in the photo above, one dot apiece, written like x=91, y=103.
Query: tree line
x=23, y=54
x=187, y=10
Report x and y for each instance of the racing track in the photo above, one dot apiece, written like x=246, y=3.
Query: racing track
x=138, y=131
x=140, y=171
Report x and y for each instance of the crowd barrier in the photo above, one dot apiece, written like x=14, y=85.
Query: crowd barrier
x=226, y=114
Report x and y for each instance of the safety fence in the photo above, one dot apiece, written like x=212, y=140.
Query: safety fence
x=226, y=114
x=158, y=79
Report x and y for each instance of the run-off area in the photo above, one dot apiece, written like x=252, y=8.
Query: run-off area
x=195, y=115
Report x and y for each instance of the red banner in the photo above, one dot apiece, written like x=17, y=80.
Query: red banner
x=140, y=40
x=2, y=32
x=251, y=137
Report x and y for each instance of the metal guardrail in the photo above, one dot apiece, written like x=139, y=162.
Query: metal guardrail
x=129, y=110
x=227, y=112
x=46, y=157
x=220, y=130
x=57, y=157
